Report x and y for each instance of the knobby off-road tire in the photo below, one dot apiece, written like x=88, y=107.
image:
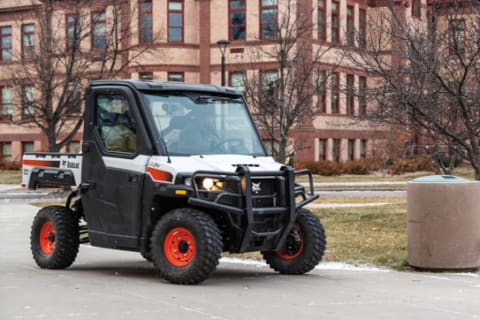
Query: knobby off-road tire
x=303, y=248
x=186, y=246
x=54, y=237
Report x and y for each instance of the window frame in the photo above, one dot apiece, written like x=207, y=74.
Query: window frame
x=322, y=142
x=182, y=27
x=230, y=25
x=351, y=149
x=145, y=76
x=172, y=74
x=26, y=105
x=335, y=93
x=96, y=22
x=322, y=23
x=362, y=99
x=457, y=29
x=141, y=13
x=232, y=75
x=417, y=9
x=335, y=16
x=336, y=149
x=28, y=50
x=362, y=28
x=2, y=153
x=322, y=96
x=350, y=96
x=4, y=103
x=72, y=41
x=350, y=31
x=9, y=49
x=262, y=24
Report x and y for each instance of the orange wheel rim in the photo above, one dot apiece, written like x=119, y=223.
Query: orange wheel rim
x=47, y=238
x=179, y=247
x=293, y=245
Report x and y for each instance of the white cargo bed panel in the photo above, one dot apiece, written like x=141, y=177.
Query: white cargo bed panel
x=51, y=169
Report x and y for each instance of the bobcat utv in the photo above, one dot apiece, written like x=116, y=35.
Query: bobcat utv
x=178, y=173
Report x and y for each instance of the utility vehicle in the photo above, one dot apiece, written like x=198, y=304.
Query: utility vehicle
x=178, y=173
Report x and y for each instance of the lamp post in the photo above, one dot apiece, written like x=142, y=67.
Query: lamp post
x=222, y=45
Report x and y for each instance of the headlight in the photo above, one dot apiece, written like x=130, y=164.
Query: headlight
x=211, y=184
x=188, y=181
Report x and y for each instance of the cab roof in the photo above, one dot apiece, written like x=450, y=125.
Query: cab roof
x=166, y=86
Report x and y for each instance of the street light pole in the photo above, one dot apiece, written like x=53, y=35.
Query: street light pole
x=222, y=45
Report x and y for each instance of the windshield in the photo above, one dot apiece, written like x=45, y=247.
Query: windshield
x=193, y=124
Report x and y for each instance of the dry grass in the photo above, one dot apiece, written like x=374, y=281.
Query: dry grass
x=10, y=176
x=366, y=235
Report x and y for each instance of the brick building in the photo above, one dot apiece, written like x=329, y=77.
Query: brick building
x=182, y=38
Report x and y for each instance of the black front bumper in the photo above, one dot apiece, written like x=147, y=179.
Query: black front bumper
x=260, y=207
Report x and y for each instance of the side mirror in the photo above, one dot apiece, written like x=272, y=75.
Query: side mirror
x=290, y=159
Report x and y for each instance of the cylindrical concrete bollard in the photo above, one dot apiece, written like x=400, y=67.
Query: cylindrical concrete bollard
x=443, y=223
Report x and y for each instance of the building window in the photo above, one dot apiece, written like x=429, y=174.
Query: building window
x=73, y=147
x=237, y=80
x=146, y=76
x=336, y=150
x=28, y=147
x=75, y=98
x=335, y=94
x=176, y=76
x=99, y=25
x=416, y=8
x=73, y=32
x=335, y=22
x=268, y=19
x=145, y=14
x=351, y=149
x=363, y=148
x=457, y=36
x=322, y=92
x=322, y=149
x=322, y=21
x=362, y=28
x=350, y=94
x=6, y=152
x=5, y=43
x=175, y=21
x=6, y=106
x=362, y=101
x=350, y=26
x=28, y=41
x=28, y=100
x=237, y=16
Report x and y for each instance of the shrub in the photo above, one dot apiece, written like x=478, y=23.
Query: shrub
x=10, y=165
x=360, y=166
x=403, y=165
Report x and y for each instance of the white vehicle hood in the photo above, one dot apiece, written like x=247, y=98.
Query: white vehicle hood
x=217, y=163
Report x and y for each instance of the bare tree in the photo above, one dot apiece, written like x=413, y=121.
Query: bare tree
x=289, y=76
x=65, y=52
x=425, y=74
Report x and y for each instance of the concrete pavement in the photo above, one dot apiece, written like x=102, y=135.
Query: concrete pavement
x=107, y=284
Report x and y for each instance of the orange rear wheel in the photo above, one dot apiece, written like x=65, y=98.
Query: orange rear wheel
x=47, y=237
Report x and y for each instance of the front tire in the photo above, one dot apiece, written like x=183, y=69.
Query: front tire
x=186, y=246
x=303, y=249
x=54, y=237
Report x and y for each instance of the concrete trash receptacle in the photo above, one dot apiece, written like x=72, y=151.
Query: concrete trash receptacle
x=443, y=223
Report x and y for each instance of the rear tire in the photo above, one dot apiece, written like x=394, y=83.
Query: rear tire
x=186, y=246
x=54, y=237
x=303, y=248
